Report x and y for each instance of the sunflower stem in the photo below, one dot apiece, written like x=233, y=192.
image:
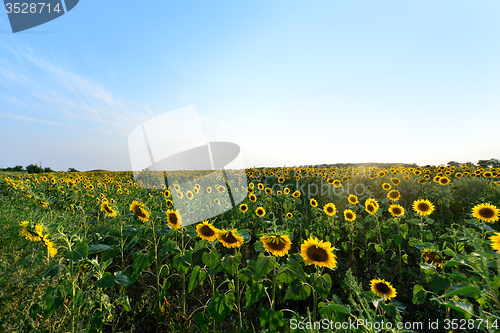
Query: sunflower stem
x=273, y=302
x=238, y=297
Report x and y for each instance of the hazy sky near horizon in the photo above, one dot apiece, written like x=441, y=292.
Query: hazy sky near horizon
x=290, y=82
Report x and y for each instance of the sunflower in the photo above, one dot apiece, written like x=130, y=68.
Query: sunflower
x=268, y=190
x=289, y=215
x=189, y=195
x=281, y=180
x=243, y=208
x=386, y=186
x=330, y=209
x=423, y=207
x=209, y=189
x=169, y=203
x=319, y=253
x=313, y=203
x=229, y=238
x=395, y=181
x=27, y=233
x=174, y=219
x=349, y=215
x=221, y=189
x=433, y=257
x=383, y=288
x=139, y=210
x=436, y=179
x=337, y=183
x=207, y=231
x=444, y=180
x=422, y=181
x=252, y=197
x=495, y=242
x=109, y=211
x=49, y=245
x=396, y=210
x=485, y=212
x=260, y=186
x=393, y=195
x=286, y=190
x=276, y=245
x=370, y=208
x=352, y=199
x=260, y=211
x=296, y=194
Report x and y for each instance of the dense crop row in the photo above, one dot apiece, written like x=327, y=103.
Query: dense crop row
x=287, y=248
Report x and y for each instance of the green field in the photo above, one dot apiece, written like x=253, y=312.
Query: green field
x=378, y=249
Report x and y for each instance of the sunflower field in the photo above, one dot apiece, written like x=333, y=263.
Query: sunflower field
x=361, y=249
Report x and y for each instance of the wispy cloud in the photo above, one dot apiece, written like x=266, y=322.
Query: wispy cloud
x=24, y=118
x=64, y=94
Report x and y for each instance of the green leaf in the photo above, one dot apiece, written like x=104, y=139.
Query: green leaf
x=254, y=292
x=182, y=263
x=338, y=308
x=211, y=257
x=142, y=262
x=220, y=305
x=455, y=262
x=110, y=253
x=98, y=248
x=51, y=271
x=398, y=239
x=80, y=251
x=419, y=294
x=164, y=287
x=203, y=321
x=273, y=318
x=124, y=278
x=196, y=278
x=246, y=274
x=439, y=283
x=264, y=265
x=230, y=263
x=321, y=284
x=457, y=306
x=295, y=268
x=462, y=290
x=125, y=302
x=297, y=291
x=106, y=281
x=200, y=245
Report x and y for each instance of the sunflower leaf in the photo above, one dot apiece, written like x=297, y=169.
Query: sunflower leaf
x=182, y=262
x=297, y=291
x=274, y=318
x=254, y=292
x=211, y=257
x=106, y=281
x=220, y=305
x=196, y=278
x=230, y=263
x=462, y=290
x=264, y=265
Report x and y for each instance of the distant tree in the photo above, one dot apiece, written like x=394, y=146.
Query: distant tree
x=495, y=163
x=33, y=168
x=47, y=169
x=17, y=168
x=454, y=163
x=484, y=163
x=72, y=170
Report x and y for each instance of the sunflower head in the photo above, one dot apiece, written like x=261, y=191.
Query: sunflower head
x=396, y=210
x=252, y=197
x=296, y=194
x=386, y=186
x=229, y=238
x=393, y=195
x=173, y=218
x=352, y=199
x=260, y=211
x=433, y=257
x=383, y=289
x=444, y=180
x=207, y=231
x=395, y=181
x=495, y=241
x=243, y=208
x=319, y=253
x=423, y=207
x=277, y=245
x=330, y=209
x=139, y=211
x=485, y=212
x=349, y=215
x=313, y=203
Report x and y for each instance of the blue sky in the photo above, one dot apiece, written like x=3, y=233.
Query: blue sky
x=291, y=82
